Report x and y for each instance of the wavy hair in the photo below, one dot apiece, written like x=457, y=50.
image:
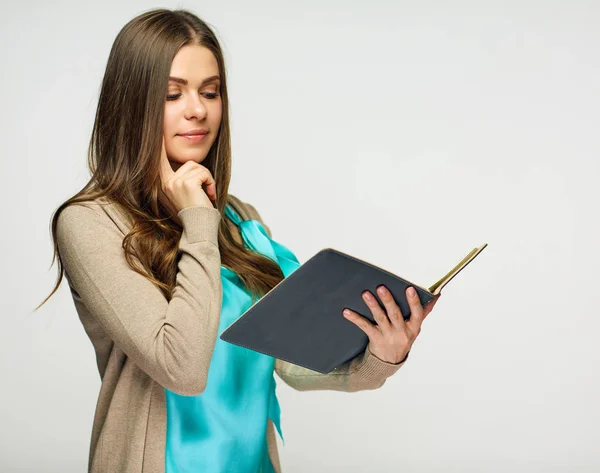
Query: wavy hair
x=124, y=160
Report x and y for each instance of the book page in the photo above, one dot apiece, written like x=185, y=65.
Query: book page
x=436, y=288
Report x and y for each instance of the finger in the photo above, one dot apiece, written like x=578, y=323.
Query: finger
x=416, y=311
x=362, y=323
x=181, y=175
x=203, y=176
x=378, y=313
x=392, y=309
x=210, y=187
x=165, y=169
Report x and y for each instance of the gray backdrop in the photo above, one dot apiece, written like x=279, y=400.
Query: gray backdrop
x=405, y=133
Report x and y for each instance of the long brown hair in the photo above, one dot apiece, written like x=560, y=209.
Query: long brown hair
x=124, y=159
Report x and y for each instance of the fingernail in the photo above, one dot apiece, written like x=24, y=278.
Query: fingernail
x=412, y=292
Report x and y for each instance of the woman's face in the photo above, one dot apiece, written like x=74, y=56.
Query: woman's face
x=193, y=103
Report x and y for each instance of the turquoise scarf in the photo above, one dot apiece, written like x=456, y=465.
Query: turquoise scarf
x=224, y=428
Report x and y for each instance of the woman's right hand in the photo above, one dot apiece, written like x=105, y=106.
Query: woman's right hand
x=184, y=186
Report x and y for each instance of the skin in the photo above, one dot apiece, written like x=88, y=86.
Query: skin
x=392, y=337
x=198, y=105
x=191, y=105
x=194, y=104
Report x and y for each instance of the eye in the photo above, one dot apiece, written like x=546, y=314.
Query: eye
x=208, y=95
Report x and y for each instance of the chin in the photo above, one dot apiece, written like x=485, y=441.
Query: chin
x=190, y=155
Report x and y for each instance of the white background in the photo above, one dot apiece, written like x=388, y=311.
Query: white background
x=405, y=133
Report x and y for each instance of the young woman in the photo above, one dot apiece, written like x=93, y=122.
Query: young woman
x=160, y=258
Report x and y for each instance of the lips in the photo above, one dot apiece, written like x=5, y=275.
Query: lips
x=194, y=138
x=195, y=132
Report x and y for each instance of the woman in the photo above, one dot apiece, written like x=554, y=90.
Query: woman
x=160, y=259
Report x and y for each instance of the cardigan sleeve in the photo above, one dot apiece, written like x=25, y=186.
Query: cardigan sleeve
x=363, y=372
x=172, y=341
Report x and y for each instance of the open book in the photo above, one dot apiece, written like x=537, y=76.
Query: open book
x=300, y=320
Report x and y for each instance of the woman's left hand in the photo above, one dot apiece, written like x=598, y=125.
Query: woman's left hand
x=392, y=337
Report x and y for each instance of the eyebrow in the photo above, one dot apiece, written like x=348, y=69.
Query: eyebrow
x=185, y=82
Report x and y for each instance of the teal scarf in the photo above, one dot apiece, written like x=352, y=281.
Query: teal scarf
x=224, y=428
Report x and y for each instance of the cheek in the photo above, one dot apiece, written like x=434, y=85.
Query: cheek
x=216, y=112
x=169, y=122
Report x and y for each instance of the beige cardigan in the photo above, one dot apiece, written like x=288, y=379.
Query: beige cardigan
x=144, y=344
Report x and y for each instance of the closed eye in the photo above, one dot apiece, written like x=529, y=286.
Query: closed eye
x=208, y=95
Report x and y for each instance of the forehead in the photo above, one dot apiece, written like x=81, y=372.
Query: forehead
x=194, y=63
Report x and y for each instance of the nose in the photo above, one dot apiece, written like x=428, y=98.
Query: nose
x=195, y=108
